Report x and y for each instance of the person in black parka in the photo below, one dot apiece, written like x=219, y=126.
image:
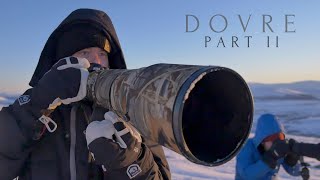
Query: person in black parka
x=51, y=132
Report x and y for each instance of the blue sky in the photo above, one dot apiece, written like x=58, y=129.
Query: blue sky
x=154, y=32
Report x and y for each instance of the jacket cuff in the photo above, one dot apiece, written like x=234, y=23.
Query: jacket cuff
x=27, y=117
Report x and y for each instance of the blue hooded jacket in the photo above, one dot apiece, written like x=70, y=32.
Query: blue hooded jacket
x=249, y=163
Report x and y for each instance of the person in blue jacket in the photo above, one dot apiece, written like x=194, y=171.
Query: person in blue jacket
x=262, y=155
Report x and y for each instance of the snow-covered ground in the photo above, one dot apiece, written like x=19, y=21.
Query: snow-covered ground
x=298, y=107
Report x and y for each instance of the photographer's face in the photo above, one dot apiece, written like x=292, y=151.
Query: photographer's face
x=94, y=55
x=267, y=145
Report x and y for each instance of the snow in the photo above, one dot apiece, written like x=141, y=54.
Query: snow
x=296, y=104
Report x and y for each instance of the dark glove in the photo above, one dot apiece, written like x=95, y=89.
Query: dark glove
x=291, y=159
x=113, y=143
x=64, y=83
x=270, y=159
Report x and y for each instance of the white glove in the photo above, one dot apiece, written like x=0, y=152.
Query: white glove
x=106, y=128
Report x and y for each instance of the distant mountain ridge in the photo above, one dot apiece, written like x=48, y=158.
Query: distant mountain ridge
x=303, y=90
x=7, y=98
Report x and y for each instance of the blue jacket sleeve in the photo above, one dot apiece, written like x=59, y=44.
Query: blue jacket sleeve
x=294, y=170
x=249, y=168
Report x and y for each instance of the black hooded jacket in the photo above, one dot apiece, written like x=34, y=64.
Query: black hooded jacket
x=90, y=17
x=63, y=154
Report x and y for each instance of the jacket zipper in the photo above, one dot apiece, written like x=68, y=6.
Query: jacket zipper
x=73, y=138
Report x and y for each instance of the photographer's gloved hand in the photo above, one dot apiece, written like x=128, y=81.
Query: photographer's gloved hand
x=270, y=158
x=113, y=143
x=64, y=83
x=291, y=159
